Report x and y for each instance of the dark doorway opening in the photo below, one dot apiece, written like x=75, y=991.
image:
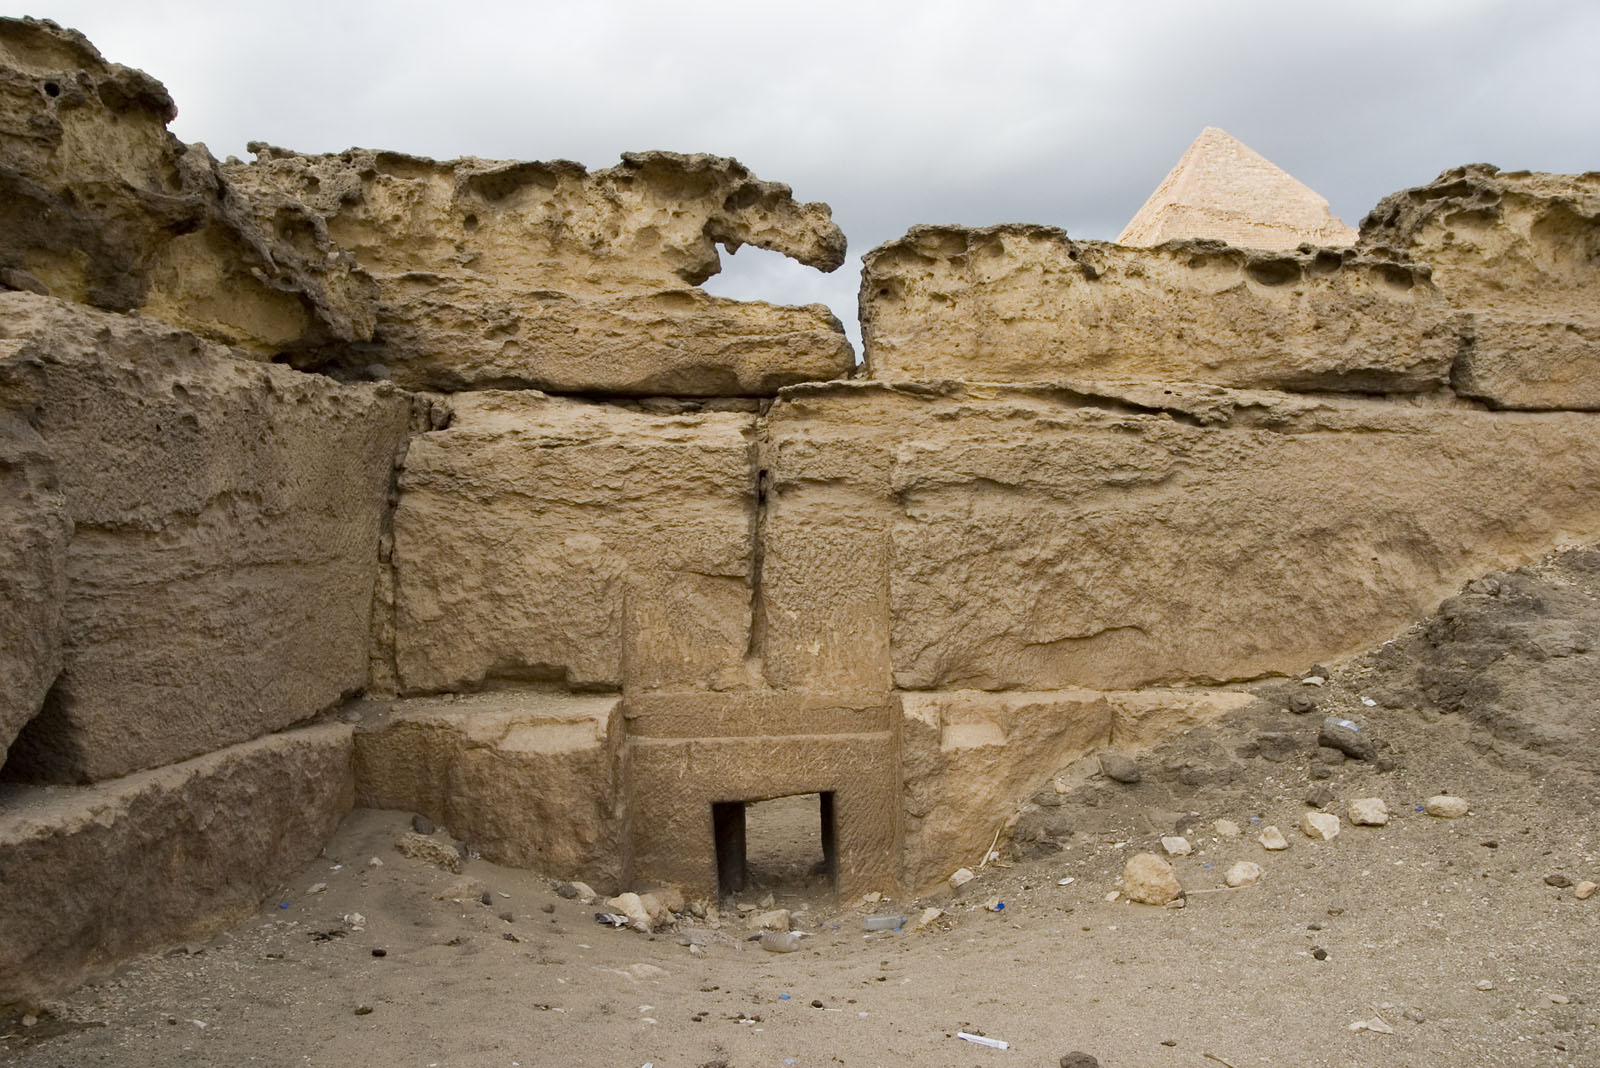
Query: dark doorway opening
x=776, y=844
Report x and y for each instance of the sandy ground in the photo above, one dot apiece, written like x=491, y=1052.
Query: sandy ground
x=1414, y=917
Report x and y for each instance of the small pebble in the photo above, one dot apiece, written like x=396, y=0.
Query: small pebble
x=549, y=908
x=1319, y=953
x=363, y=1010
x=1273, y=839
x=380, y=953
x=1484, y=984
x=1446, y=806
x=422, y=825
x=1558, y=879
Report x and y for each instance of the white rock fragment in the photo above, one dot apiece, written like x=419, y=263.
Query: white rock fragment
x=927, y=916
x=961, y=877
x=1369, y=812
x=1584, y=889
x=1323, y=826
x=1272, y=838
x=775, y=920
x=316, y=888
x=374, y=862
x=1376, y=1025
x=1176, y=846
x=1226, y=829
x=1313, y=680
x=1484, y=984
x=586, y=892
x=1559, y=999
x=1446, y=806
x=1149, y=880
x=1243, y=873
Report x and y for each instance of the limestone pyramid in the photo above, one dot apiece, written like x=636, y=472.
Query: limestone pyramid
x=1223, y=189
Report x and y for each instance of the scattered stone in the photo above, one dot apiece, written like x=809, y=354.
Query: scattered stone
x=429, y=851
x=1302, y=704
x=1149, y=880
x=961, y=877
x=1319, y=953
x=422, y=825
x=316, y=888
x=1559, y=999
x=1076, y=1059
x=586, y=892
x=380, y=953
x=1584, y=889
x=1558, y=879
x=1272, y=838
x=1484, y=984
x=1319, y=796
x=1446, y=806
x=374, y=862
x=1226, y=829
x=1313, y=680
x=1176, y=846
x=1243, y=873
x=1346, y=736
x=363, y=1010
x=547, y=909
x=486, y=898
x=1376, y=1025
x=566, y=890
x=775, y=920
x=1276, y=746
x=1119, y=767
x=928, y=916
x=1369, y=812
x=1323, y=826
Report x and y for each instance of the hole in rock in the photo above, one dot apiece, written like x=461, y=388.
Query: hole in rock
x=782, y=845
x=761, y=274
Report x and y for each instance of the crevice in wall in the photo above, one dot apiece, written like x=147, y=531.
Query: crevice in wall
x=761, y=481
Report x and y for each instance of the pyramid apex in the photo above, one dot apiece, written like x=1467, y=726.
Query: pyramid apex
x=1223, y=189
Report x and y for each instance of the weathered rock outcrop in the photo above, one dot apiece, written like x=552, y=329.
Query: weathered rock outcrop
x=1022, y=303
x=227, y=514
x=100, y=204
x=1040, y=538
x=34, y=530
x=546, y=275
x=1521, y=252
x=553, y=539
x=529, y=779
x=92, y=875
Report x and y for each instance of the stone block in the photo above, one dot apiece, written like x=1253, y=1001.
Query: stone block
x=219, y=580
x=92, y=875
x=34, y=531
x=1023, y=303
x=674, y=782
x=525, y=778
x=968, y=757
x=548, y=276
x=549, y=539
x=1056, y=537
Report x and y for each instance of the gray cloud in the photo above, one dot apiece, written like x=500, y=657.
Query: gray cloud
x=894, y=113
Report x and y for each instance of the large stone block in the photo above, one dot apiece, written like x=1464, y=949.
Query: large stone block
x=227, y=517
x=34, y=531
x=1051, y=537
x=529, y=779
x=1520, y=252
x=1022, y=303
x=541, y=538
x=546, y=275
x=100, y=204
x=92, y=875
x=674, y=783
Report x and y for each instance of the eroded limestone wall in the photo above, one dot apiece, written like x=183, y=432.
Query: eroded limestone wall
x=442, y=486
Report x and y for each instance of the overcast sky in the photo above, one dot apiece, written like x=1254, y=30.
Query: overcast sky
x=894, y=113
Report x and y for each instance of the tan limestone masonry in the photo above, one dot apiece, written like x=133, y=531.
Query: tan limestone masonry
x=443, y=486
